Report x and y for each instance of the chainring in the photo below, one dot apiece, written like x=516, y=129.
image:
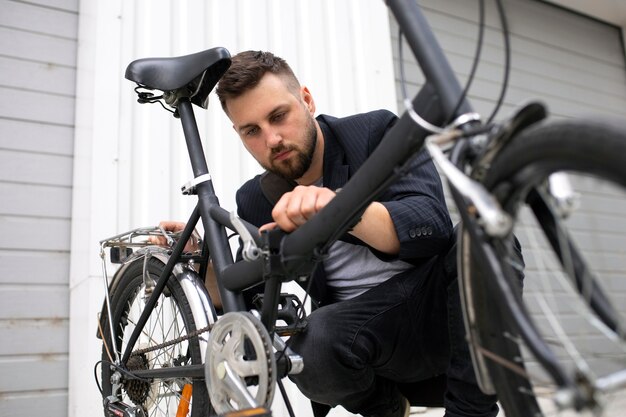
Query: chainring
x=240, y=366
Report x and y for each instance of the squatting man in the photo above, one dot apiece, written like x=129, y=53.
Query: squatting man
x=388, y=313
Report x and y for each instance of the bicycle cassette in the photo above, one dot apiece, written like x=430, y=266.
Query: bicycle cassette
x=240, y=366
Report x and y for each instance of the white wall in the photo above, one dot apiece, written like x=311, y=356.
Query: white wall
x=130, y=160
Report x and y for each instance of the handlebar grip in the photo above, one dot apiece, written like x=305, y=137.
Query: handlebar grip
x=242, y=275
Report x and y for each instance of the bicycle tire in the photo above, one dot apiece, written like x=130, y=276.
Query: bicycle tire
x=591, y=150
x=171, y=318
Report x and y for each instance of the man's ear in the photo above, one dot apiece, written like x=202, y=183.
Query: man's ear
x=307, y=98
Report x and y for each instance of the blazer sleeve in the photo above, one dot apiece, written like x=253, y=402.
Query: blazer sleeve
x=415, y=202
x=418, y=210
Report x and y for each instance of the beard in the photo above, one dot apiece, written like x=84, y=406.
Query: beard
x=295, y=167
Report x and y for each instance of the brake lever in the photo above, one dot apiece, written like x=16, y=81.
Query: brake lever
x=250, y=251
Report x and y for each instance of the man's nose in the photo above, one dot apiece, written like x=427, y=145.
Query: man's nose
x=273, y=139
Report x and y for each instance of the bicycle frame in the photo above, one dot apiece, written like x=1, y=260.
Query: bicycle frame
x=435, y=102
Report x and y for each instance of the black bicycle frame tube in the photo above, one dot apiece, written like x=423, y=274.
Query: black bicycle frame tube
x=160, y=284
x=271, y=298
x=222, y=216
x=187, y=371
x=429, y=55
x=215, y=233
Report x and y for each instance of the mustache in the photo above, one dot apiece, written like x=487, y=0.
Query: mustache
x=282, y=148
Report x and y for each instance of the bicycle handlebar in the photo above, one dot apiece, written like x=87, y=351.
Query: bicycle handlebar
x=243, y=275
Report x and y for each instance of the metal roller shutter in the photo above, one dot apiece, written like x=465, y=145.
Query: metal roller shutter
x=573, y=63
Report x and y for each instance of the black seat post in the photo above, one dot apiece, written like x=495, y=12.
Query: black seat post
x=218, y=246
x=194, y=143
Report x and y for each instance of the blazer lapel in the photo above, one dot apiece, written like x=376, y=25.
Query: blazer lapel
x=336, y=170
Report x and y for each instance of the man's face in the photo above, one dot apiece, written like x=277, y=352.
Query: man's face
x=276, y=126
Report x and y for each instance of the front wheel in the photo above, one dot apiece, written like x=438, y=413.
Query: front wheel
x=166, y=342
x=575, y=273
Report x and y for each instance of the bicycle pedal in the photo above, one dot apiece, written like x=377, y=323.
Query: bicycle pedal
x=284, y=331
x=249, y=412
x=290, y=311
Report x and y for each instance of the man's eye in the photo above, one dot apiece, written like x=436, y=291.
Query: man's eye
x=253, y=131
x=278, y=117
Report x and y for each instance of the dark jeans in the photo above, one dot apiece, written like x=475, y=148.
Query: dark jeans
x=360, y=352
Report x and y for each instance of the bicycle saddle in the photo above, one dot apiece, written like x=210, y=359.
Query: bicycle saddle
x=199, y=72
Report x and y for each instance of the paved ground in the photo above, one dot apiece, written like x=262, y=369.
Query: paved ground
x=303, y=408
x=618, y=409
x=415, y=412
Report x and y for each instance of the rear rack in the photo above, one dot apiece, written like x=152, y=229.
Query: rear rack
x=122, y=245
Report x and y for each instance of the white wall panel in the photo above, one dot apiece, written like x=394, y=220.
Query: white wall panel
x=49, y=370
x=37, y=47
x=130, y=160
x=331, y=46
x=44, y=267
x=54, y=404
x=31, y=17
x=42, y=302
x=36, y=137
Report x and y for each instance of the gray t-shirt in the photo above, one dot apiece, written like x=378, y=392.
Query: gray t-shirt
x=353, y=269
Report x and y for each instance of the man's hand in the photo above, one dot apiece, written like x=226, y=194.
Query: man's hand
x=296, y=207
x=171, y=226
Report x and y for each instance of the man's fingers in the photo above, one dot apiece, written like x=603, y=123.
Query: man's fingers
x=268, y=226
x=157, y=240
x=297, y=206
x=323, y=199
x=172, y=226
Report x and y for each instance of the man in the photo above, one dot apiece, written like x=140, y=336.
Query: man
x=389, y=323
x=385, y=318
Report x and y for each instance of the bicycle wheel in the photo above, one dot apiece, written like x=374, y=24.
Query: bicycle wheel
x=575, y=273
x=171, y=321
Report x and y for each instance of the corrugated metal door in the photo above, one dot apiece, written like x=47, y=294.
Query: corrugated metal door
x=574, y=64
x=37, y=63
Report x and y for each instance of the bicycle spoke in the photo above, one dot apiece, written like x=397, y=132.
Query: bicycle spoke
x=545, y=292
x=563, y=305
x=163, y=343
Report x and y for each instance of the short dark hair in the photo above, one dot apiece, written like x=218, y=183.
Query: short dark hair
x=246, y=70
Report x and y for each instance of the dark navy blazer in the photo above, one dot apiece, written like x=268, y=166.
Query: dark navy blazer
x=415, y=201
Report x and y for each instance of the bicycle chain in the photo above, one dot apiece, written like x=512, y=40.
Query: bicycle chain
x=173, y=341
